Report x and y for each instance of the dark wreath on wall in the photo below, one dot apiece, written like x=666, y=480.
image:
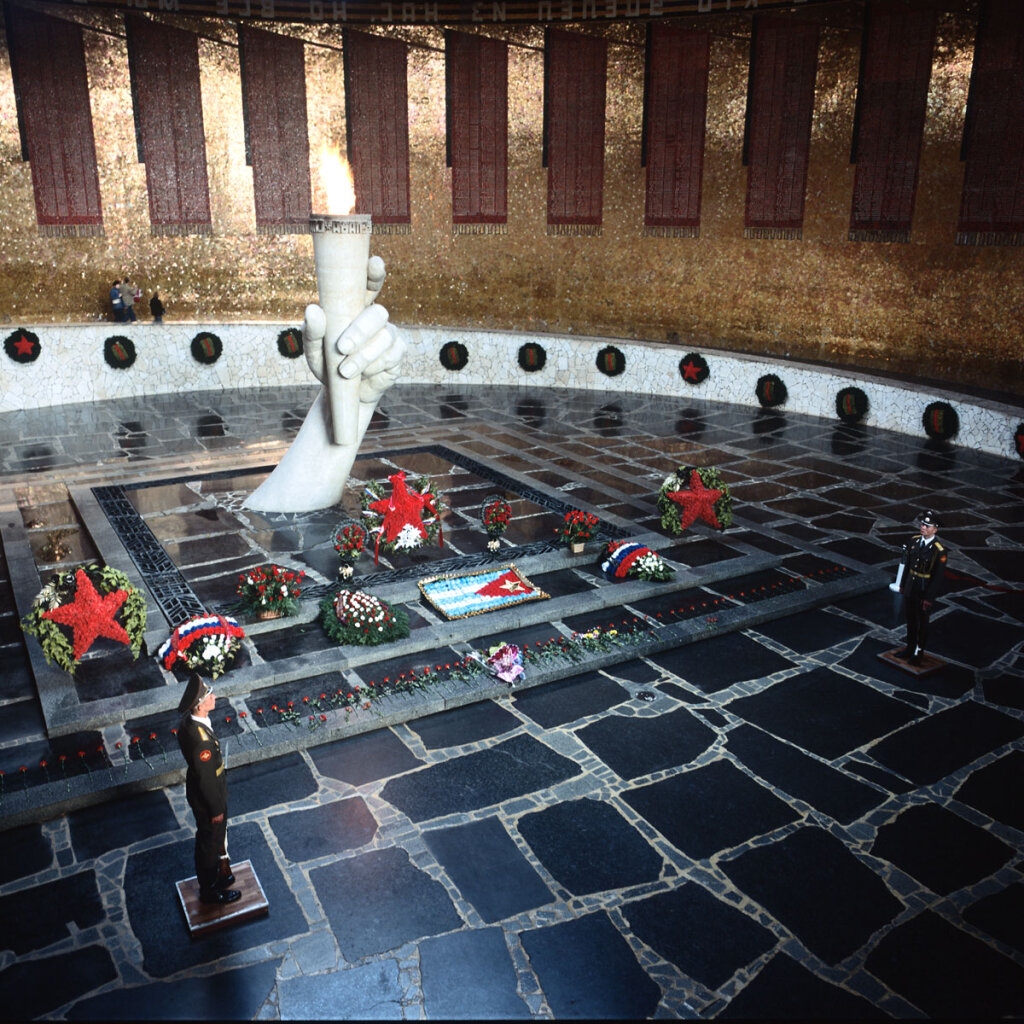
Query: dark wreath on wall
x=206, y=348
x=693, y=368
x=119, y=352
x=940, y=421
x=532, y=357
x=454, y=356
x=22, y=346
x=289, y=343
x=770, y=391
x=852, y=405
x=610, y=361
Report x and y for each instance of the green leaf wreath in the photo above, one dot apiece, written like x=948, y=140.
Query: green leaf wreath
x=356, y=617
x=710, y=477
x=57, y=640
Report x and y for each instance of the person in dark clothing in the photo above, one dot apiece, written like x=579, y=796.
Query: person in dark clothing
x=116, y=302
x=924, y=565
x=156, y=307
x=206, y=790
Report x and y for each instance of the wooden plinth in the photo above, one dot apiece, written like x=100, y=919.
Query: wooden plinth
x=203, y=918
x=929, y=663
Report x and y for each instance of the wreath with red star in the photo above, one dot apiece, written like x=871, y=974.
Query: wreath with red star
x=289, y=343
x=78, y=606
x=693, y=368
x=692, y=493
x=22, y=346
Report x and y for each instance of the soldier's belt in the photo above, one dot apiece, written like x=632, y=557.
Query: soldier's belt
x=921, y=575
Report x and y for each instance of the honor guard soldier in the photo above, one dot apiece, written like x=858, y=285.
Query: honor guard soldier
x=206, y=789
x=924, y=564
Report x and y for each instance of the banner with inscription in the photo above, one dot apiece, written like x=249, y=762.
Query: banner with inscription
x=992, y=203
x=783, y=65
x=892, y=98
x=675, y=107
x=476, y=94
x=55, y=121
x=273, y=69
x=164, y=65
x=377, y=123
x=575, y=70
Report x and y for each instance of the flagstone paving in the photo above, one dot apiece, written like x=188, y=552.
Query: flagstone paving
x=763, y=823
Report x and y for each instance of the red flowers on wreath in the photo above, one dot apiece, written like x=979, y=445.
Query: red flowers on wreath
x=349, y=541
x=270, y=588
x=495, y=516
x=577, y=526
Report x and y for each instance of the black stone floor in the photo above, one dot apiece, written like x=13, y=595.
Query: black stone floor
x=766, y=824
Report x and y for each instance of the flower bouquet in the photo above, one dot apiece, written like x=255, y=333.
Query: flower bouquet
x=407, y=518
x=269, y=591
x=92, y=601
x=349, y=542
x=207, y=644
x=495, y=515
x=626, y=559
x=506, y=662
x=355, y=617
x=576, y=528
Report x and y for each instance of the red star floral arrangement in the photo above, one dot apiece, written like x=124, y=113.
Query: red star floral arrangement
x=405, y=519
x=690, y=494
x=79, y=606
x=22, y=346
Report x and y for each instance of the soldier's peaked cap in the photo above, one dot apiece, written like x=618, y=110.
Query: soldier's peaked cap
x=929, y=518
x=195, y=691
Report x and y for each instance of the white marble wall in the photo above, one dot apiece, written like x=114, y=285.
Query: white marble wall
x=71, y=368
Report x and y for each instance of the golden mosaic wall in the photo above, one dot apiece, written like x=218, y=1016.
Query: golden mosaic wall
x=927, y=308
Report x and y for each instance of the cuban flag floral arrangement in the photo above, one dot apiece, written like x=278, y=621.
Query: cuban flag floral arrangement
x=205, y=643
x=626, y=559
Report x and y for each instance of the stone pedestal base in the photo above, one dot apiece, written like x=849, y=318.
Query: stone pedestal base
x=929, y=663
x=203, y=918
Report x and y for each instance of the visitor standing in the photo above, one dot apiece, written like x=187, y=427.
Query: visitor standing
x=156, y=307
x=116, y=302
x=128, y=297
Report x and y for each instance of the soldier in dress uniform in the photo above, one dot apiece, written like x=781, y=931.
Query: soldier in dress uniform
x=924, y=564
x=206, y=789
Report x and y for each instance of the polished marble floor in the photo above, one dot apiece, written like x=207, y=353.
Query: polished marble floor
x=770, y=823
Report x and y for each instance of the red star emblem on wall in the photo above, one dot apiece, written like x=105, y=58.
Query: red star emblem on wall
x=696, y=503
x=90, y=615
x=24, y=346
x=690, y=370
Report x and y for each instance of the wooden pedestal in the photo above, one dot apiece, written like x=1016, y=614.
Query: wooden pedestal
x=929, y=663
x=203, y=918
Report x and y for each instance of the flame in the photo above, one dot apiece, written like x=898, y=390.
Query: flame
x=336, y=176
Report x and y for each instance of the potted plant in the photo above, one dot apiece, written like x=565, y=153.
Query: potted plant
x=495, y=515
x=349, y=542
x=576, y=529
x=269, y=591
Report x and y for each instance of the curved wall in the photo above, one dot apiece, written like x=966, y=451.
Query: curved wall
x=70, y=368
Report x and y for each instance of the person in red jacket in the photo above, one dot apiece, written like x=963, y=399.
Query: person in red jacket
x=206, y=789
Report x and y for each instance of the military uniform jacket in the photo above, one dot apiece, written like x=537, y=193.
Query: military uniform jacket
x=205, y=780
x=925, y=566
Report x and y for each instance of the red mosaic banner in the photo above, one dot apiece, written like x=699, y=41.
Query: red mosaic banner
x=784, y=58
x=277, y=141
x=476, y=72
x=892, y=98
x=164, y=64
x=376, y=114
x=992, y=202
x=575, y=71
x=675, y=106
x=48, y=67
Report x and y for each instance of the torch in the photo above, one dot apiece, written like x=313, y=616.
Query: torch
x=341, y=248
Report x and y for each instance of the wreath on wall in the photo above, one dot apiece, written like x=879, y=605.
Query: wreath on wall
x=692, y=493
x=289, y=343
x=770, y=391
x=532, y=357
x=693, y=368
x=610, y=361
x=454, y=356
x=119, y=352
x=206, y=348
x=852, y=405
x=1018, y=439
x=940, y=421
x=22, y=346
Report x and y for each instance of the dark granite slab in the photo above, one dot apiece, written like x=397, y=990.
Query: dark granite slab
x=824, y=712
x=635, y=671
x=813, y=630
x=116, y=675
x=706, y=938
x=571, y=699
x=587, y=846
x=946, y=742
x=802, y=776
x=364, y=758
x=468, y=724
x=43, y=912
x=95, y=831
x=814, y=886
x=321, y=831
x=587, y=970
x=704, y=811
x=1000, y=915
x=972, y=639
x=947, y=973
x=380, y=900
x=30, y=989
x=26, y=852
x=488, y=868
x=949, y=681
x=998, y=790
x=639, y=746
x=262, y=784
x=720, y=661
x=515, y=767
